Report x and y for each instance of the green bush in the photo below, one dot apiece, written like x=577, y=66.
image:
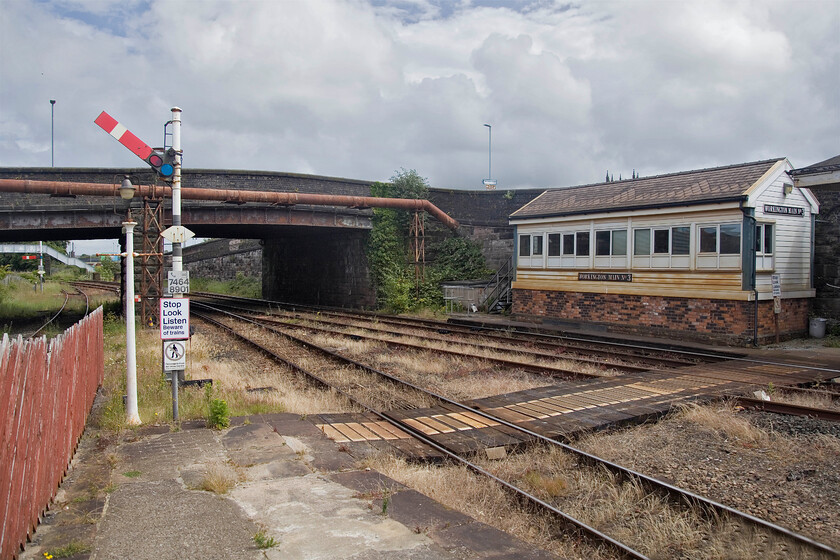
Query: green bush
x=219, y=414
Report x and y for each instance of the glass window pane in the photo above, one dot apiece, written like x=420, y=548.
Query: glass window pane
x=582, y=244
x=730, y=239
x=569, y=244
x=641, y=242
x=759, y=235
x=708, y=239
x=602, y=243
x=524, y=245
x=538, y=245
x=554, y=244
x=619, y=242
x=661, y=238
x=768, y=239
x=680, y=239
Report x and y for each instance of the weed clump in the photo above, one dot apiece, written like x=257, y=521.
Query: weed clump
x=219, y=414
x=263, y=541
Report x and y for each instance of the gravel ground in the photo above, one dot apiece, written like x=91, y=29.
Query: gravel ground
x=790, y=477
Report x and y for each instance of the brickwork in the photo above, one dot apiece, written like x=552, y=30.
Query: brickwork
x=709, y=320
x=223, y=259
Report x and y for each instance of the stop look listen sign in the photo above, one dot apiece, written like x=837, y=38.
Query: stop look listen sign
x=174, y=318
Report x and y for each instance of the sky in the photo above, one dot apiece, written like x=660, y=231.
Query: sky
x=362, y=89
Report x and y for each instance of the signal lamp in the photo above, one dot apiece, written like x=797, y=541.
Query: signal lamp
x=161, y=164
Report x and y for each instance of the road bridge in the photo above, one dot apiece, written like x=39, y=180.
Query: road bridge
x=313, y=249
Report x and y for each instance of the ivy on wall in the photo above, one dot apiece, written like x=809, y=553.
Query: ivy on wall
x=389, y=251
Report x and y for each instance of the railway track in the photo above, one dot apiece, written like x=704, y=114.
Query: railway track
x=54, y=318
x=647, y=357
x=375, y=382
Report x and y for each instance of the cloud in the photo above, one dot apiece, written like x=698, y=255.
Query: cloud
x=361, y=89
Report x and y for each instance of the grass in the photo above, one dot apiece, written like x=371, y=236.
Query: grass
x=622, y=509
x=21, y=304
x=210, y=355
x=244, y=286
x=220, y=478
x=72, y=549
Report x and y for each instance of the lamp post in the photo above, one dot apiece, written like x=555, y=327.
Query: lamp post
x=131, y=412
x=489, y=183
x=52, y=132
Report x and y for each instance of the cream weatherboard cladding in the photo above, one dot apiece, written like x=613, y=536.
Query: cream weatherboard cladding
x=685, y=236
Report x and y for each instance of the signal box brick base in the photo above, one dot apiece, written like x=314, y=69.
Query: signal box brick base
x=708, y=320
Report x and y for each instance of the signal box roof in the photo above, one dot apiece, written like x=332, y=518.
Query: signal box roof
x=718, y=184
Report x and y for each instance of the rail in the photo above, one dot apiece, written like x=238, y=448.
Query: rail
x=679, y=495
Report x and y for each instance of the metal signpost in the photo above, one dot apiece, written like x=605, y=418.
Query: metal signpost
x=775, y=280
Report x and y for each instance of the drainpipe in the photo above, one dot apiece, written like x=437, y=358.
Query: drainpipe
x=748, y=262
x=231, y=195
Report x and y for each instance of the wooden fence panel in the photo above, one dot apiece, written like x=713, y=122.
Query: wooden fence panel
x=46, y=392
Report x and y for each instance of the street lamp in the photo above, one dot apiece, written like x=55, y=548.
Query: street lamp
x=52, y=132
x=489, y=183
x=131, y=412
x=126, y=189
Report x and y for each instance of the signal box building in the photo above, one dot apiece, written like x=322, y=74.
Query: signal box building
x=691, y=255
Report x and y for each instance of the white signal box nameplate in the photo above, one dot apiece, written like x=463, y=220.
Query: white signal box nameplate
x=174, y=318
x=177, y=234
x=178, y=282
x=174, y=355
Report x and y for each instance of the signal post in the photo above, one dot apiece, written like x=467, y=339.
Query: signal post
x=175, y=314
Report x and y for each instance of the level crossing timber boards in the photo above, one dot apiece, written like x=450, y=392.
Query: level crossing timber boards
x=562, y=410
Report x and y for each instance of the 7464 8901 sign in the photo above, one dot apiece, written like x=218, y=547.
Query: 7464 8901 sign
x=178, y=282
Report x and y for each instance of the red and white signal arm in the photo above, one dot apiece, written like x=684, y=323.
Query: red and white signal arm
x=142, y=150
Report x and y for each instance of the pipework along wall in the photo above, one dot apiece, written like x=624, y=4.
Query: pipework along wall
x=322, y=266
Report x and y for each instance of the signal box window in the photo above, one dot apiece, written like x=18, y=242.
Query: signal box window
x=524, y=245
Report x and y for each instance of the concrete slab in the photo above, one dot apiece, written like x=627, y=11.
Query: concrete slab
x=342, y=523
x=154, y=509
x=159, y=519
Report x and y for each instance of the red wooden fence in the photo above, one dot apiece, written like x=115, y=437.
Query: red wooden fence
x=46, y=392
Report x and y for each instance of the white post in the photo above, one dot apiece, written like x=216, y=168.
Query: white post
x=132, y=416
x=41, y=264
x=177, y=262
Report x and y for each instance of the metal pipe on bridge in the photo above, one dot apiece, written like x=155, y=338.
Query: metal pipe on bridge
x=60, y=188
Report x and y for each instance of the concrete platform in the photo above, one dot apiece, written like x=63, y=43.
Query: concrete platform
x=141, y=498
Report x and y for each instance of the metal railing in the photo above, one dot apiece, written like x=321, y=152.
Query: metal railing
x=497, y=292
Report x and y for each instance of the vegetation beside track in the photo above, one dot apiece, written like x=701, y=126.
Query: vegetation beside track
x=392, y=261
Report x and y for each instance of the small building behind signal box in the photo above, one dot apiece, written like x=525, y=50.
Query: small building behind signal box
x=689, y=255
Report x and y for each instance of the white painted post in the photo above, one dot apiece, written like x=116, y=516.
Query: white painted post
x=131, y=413
x=177, y=255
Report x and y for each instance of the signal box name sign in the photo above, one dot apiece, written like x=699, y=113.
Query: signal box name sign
x=174, y=318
